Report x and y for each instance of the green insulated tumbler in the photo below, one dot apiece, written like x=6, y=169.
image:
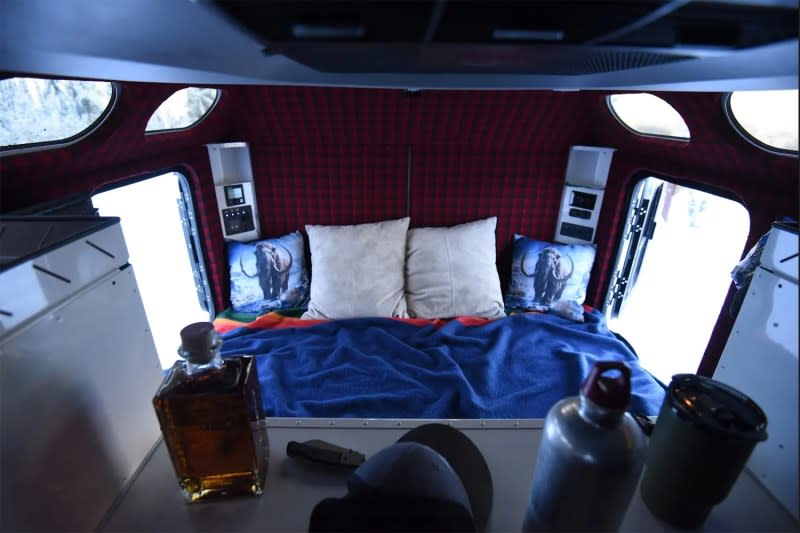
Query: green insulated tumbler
x=703, y=437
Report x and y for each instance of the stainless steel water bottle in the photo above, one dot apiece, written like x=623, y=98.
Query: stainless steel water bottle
x=590, y=457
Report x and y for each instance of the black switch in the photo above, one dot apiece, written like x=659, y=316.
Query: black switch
x=580, y=213
x=583, y=233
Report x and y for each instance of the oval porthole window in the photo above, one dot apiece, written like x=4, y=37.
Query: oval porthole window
x=40, y=112
x=766, y=118
x=183, y=109
x=647, y=114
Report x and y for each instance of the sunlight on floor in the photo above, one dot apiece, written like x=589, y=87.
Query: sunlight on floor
x=153, y=233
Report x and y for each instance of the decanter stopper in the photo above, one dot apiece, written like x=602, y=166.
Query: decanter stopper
x=199, y=342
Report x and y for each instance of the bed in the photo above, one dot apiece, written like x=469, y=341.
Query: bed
x=412, y=324
x=513, y=367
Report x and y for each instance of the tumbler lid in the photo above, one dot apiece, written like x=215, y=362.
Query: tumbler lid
x=718, y=407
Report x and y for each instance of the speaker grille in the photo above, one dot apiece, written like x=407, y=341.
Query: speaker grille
x=614, y=60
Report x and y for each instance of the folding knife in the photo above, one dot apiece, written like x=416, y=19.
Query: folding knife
x=320, y=451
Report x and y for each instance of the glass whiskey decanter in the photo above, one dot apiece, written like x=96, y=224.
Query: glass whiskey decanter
x=211, y=417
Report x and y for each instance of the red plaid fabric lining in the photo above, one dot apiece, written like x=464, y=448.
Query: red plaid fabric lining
x=459, y=186
x=328, y=185
x=339, y=156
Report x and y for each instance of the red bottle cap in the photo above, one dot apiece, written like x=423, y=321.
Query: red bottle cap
x=608, y=385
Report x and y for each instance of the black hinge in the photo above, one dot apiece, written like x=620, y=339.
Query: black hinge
x=642, y=221
x=199, y=284
x=617, y=293
x=638, y=218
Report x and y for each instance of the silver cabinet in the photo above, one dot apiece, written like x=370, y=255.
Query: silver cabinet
x=761, y=360
x=78, y=369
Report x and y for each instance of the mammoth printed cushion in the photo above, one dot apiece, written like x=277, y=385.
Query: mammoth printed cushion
x=546, y=276
x=268, y=274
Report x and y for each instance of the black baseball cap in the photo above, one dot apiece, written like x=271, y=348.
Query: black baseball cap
x=433, y=479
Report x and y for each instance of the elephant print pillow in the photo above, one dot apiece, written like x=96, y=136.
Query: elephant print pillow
x=546, y=276
x=269, y=274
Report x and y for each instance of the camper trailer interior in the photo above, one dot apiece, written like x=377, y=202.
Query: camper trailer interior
x=411, y=211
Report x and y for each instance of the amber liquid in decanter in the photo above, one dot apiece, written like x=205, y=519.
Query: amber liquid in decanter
x=214, y=428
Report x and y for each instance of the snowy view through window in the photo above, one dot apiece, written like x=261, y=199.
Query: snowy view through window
x=36, y=111
x=769, y=116
x=151, y=223
x=648, y=114
x=183, y=109
x=698, y=239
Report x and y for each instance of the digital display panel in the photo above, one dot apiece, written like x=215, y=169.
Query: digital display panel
x=583, y=200
x=234, y=194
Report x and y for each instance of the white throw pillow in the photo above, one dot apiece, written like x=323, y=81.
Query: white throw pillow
x=453, y=272
x=357, y=271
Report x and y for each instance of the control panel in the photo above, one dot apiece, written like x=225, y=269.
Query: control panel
x=585, y=180
x=580, y=211
x=237, y=211
x=238, y=220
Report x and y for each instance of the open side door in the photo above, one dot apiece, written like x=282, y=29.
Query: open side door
x=639, y=229
x=193, y=246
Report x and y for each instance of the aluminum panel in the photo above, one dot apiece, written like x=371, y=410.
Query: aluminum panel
x=294, y=487
x=76, y=419
x=780, y=252
x=48, y=279
x=761, y=360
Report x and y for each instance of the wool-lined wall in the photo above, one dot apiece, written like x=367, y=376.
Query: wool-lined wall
x=348, y=155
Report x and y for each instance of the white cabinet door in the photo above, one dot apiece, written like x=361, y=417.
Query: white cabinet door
x=760, y=360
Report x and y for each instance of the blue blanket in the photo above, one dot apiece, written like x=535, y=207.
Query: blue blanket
x=515, y=367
